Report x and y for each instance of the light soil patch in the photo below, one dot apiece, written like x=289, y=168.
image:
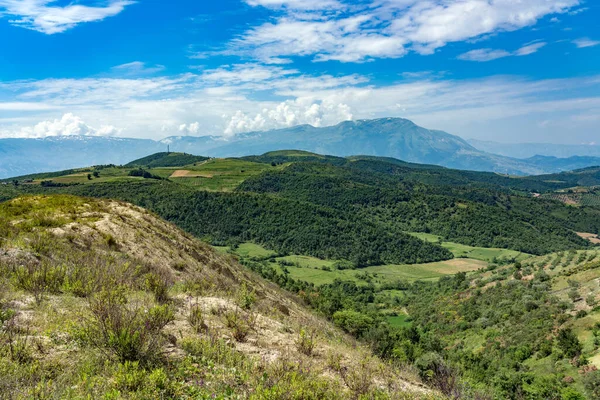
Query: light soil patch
x=589, y=236
x=182, y=173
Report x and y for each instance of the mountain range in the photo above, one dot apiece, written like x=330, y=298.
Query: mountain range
x=387, y=137
x=527, y=150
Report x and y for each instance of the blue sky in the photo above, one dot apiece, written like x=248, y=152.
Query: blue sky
x=504, y=70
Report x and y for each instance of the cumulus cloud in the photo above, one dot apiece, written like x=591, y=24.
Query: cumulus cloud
x=286, y=114
x=585, y=42
x=385, y=28
x=68, y=125
x=192, y=129
x=483, y=55
x=199, y=105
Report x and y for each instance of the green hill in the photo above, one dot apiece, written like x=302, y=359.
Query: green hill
x=166, y=160
x=467, y=277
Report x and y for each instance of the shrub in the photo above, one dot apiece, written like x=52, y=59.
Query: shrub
x=246, y=298
x=159, y=286
x=591, y=382
x=353, y=322
x=130, y=376
x=196, y=319
x=240, y=323
x=39, y=279
x=574, y=294
x=16, y=344
x=215, y=350
x=359, y=379
x=111, y=242
x=306, y=342
x=569, y=343
x=131, y=333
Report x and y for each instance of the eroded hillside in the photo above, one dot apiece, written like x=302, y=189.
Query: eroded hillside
x=101, y=299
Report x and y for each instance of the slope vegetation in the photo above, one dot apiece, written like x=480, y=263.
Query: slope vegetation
x=101, y=299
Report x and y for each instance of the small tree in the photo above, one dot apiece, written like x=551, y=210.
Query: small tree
x=89, y=176
x=569, y=343
x=96, y=174
x=574, y=294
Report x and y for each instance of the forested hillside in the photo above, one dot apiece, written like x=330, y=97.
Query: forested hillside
x=355, y=209
x=433, y=268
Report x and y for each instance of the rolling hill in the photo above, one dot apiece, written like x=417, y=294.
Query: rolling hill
x=387, y=137
x=463, y=278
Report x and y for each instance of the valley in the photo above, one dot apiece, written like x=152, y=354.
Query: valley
x=467, y=279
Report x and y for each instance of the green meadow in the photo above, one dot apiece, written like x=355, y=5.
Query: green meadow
x=477, y=253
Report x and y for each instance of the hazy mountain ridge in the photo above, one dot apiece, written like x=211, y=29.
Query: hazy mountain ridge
x=387, y=137
x=26, y=156
x=527, y=150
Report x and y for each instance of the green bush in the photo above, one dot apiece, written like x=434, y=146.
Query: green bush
x=131, y=333
x=215, y=350
x=246, y=297
x=568, y=342
x=196, y=319
x=241, y=323
x=159, y=286
x=306, y=342
x=39, y=278
x=353, y=322
x=591, y=382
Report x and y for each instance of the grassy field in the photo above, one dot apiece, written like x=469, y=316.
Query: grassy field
x=383, y=273
x=319, y=272
x=478, y=253
x=251, y=250
x=214, y=175
x=219, y=174
x=399, y=321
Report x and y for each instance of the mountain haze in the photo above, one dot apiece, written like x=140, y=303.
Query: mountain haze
x=387, y=137
x=526, y=150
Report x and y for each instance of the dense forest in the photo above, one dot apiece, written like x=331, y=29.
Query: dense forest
x=475, y=216
x=354, y=209
x=285, y=225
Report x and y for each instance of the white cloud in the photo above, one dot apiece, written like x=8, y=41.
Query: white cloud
x=137, y=68
x=296, y=4
x=215, y=102
x=68, y=125
x=46, y=17
x=585, y=42
x=192, y=129
x=483, y=55
x=243, y=73
x=385, y=28
x=288, y=113
x=24, y=106
x=530, y=49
